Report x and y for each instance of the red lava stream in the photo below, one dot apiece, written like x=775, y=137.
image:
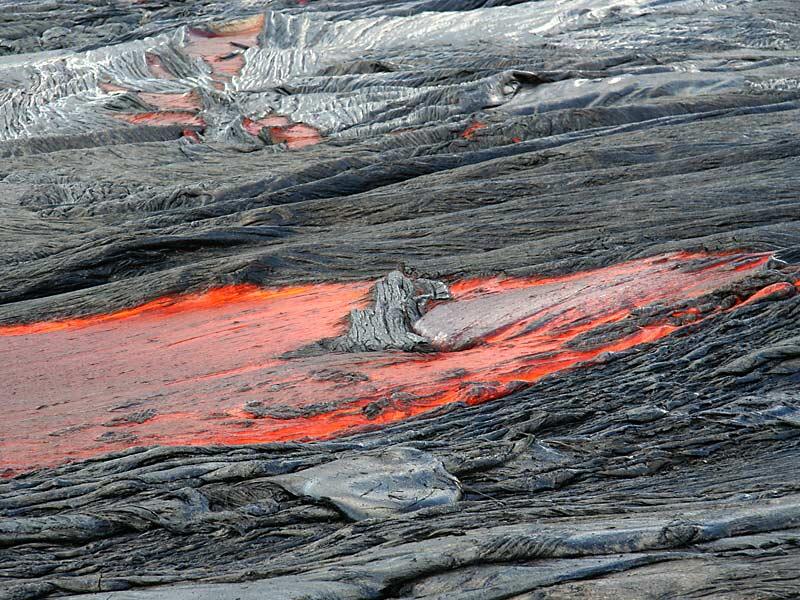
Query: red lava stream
x=189, y=369
x=221, y=48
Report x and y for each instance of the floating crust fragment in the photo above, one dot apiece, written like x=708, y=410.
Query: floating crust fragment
x=399, y=303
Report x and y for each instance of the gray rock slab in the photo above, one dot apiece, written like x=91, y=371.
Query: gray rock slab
x=378, y=484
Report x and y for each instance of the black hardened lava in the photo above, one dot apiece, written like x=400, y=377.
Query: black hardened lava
x=153, y=148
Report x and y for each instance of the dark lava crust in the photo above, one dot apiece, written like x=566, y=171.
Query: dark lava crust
x=463, y=138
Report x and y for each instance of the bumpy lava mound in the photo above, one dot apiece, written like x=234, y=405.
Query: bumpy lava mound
x=197, y=200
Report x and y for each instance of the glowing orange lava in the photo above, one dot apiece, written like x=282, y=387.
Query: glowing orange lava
x=294, y=136
x=221, y=47
x=254, y=127
x=164, y=117
x=208, y=368
x=472, y=129
x=189, y=101
x=782, y=289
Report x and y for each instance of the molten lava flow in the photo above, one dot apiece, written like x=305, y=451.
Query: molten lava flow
x=166, y=117
x=294, y=135
x=298, y=135
x=472, y=129
x=775, y=291
x=187, y=101
x=210, y=368
x=254, y=127
x=221, y=47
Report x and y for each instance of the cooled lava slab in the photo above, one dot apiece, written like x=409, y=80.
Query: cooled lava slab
x=476, y=299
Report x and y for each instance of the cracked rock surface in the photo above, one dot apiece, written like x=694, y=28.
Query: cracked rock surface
x=390, y=323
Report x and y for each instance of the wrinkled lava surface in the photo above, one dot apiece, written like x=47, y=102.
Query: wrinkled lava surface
x=209, y=368
x=626, y=429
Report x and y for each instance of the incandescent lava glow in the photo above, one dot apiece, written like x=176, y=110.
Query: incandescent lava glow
x=208, y=368
x=221, y=48
x=472, y=129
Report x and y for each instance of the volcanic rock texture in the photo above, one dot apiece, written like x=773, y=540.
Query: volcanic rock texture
x=406, y=299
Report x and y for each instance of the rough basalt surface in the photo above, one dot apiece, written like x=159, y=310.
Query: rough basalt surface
x=154, y=149
x=389, y=323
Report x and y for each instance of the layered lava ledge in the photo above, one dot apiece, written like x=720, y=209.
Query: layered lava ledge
x=211, y=368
